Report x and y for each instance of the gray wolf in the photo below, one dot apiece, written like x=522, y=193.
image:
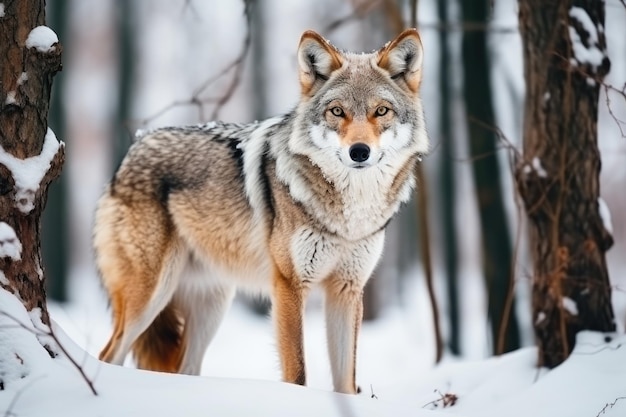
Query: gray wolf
x=193, y=213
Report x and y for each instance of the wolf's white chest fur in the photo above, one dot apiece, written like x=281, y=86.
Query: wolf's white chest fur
x=317, y=255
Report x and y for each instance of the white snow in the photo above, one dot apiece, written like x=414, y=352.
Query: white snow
x=1, y=9
x=42, y=38
x=539, y=168
x=589, y=53
x=35, y=319
x=139, y=133
x=10, y=98
x=3, y=279
x=570, y=306
x=582, y=16
x=605, y=215
x=22, y=78
x=536, y=167
x=540, y=317
x=589, y=383
x=10, y=245
x=29, y=172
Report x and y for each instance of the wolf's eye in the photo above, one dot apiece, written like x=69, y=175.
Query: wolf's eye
x=337, y=111
x=381, y=110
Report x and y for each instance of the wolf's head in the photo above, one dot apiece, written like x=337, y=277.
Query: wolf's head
x=358, y=111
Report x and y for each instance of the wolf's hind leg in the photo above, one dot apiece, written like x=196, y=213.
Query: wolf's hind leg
x=134, y=310
x=203, y=311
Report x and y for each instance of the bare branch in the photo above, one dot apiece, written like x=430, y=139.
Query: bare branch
x=445, y=400
x=71, y=359
x=508, y=144
x=50, y=333
x=236, y=66
x=621, y=124
x=608, y=88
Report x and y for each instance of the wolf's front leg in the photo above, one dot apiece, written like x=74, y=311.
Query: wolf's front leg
x=344, y=312
x=287, y=310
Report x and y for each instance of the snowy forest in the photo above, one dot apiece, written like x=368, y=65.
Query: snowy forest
x=501, y=289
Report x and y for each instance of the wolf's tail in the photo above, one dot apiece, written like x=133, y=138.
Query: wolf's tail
x=161, y=346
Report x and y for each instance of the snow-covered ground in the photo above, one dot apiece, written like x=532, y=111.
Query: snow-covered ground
x=240, y=376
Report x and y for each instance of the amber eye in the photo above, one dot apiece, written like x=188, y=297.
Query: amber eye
x=382, y=110
x=337, y=111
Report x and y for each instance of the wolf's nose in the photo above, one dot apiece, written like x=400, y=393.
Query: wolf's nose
x=359, y=152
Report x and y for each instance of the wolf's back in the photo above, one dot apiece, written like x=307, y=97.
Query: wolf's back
x=172, y=159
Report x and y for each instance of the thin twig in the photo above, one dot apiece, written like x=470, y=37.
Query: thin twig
x=50, y=333
x=236, y=65
x=499, y=133
x=447, y=400
x=621, y=123
x=372, y=391
x=76, y=364
x=611, y=404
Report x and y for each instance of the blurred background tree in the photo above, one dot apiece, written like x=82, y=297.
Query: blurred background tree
x=497, y=259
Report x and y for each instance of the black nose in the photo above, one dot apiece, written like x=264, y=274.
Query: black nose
x=359, y=152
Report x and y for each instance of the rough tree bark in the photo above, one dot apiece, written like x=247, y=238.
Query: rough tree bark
x=558, y=179
x=496, y=239
x=25, y=81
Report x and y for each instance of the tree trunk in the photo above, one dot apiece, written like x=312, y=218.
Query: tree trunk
x=126, y=19
x=564, y=63
x=30, y=60
x=496, y=240
x=448, y=183
x=55, y=228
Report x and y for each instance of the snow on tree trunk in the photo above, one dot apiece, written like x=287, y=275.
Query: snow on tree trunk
x=565, y=61
x=30, y=155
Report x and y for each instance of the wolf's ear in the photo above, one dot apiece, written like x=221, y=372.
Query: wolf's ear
x=402, y=58
x=317, y=60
